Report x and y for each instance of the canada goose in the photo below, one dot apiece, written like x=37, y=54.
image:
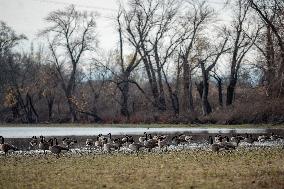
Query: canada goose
x=116, y=144
x=43, y=144
x=188, y=139
x=142, y=138
x=262, y=138
x=106, y=146
x=225, y=139
x=98, y=143
x=127, y=142
x=249, y=139
x=210, y=140
x=218, y=138
x=236, y=139
x=135, y=147
x=181, y=137
x=109, y=139
x=162, y=143
x=68, y=142
x=4, y=147
x=155, y=137
x=130, y=139
x=33, y=143
x=226, y=144
x=176, y=141
x=89, y=143
x=101, y=137
x=56, y=149
x=124, y=139
x=214, y=147
x=275, y=137
x=150, y=143
x=104, y=139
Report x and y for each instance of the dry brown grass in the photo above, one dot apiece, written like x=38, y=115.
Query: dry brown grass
x=189, y=169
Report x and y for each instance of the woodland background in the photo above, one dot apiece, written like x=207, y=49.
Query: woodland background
x=175, y=62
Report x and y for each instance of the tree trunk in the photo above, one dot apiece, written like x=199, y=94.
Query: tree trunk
x=173, y=96
x=190, y=97
x=162, y=99
x=50, y=102
x=187, y=86
x=206, y=107
x=231, y=91
x=31, y=110
x=124, y=88
x=72, y=110
x=220, y=92
x=270, y=73
x=199, y=87
x=153, y=82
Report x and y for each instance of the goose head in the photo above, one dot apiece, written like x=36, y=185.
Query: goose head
x=109, y=135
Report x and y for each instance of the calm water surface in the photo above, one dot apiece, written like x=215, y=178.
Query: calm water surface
x=26, y=132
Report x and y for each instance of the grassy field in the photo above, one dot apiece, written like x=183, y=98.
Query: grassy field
x=188, y=169
x=146, y=125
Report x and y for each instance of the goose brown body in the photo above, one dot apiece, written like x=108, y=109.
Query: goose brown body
x=56, y=149
x=4, y=147
x=43, y=144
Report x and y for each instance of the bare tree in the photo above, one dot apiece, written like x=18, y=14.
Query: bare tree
x=206, y=68
x=126, y=68
x=71, y=33
x=194, y=21
x=149, y=26
x=271, y=13
x=219, y=85
x=241, y=44
x=8, y=40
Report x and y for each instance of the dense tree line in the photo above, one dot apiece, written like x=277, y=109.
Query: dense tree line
x=174, y=62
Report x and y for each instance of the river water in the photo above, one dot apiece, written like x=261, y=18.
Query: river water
x=27, y=132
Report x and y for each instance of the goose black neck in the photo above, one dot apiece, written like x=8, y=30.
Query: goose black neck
x=51, y=142
x=55, y=139
x=210, y=140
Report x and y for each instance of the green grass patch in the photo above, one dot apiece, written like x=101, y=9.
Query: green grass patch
x=188, y=169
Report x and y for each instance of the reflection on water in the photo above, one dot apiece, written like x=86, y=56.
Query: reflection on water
x=26, y=132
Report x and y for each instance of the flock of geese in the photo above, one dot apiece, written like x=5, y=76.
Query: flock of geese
x=146, y=141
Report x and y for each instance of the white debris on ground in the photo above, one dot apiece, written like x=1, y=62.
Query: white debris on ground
x=170, y=148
